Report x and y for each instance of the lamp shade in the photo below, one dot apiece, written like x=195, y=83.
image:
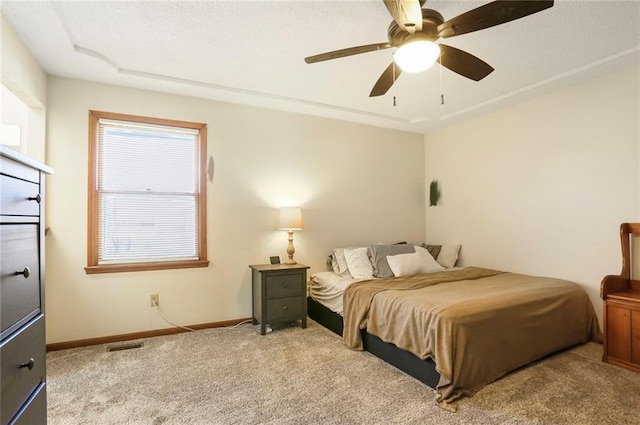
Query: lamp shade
x=290, y=218
x=416, y=56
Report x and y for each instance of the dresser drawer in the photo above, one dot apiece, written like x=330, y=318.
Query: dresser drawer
x=282, y=309
x=19, y=293
x=15, y=194
x=35, y=411
x=22, y=363
x=284, y=285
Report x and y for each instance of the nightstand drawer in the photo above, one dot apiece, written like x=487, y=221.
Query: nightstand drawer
x=23, y=367
x=285, y=285
x=281, y=309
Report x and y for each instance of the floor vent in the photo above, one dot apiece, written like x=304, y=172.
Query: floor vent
x=125, y=346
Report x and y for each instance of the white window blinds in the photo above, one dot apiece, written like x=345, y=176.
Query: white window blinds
x=148, y=177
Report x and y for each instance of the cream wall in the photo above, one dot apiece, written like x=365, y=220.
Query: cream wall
x=542, y=187
x=356, y=184
x=25, y=78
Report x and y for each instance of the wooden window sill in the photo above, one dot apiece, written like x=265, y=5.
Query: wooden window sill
x=135, y=267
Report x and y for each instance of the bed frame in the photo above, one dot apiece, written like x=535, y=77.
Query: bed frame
x=422, y=370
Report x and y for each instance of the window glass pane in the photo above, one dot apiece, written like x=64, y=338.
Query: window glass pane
x=14, y=116
x=134, y=159
x=147, y=227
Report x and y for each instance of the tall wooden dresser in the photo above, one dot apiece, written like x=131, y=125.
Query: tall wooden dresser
x=621, y=296
x=23, y=397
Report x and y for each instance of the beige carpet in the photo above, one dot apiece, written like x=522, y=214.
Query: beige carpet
x=296, y=376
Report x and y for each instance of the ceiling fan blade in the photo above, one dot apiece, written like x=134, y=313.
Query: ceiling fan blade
x=491, y=14
x=464, y=63
x=347, y=52
x=407, y=13
x=386, y=80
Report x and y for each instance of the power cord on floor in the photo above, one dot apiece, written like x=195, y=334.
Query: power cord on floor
x=170, y=322
x=238, y=324
x=191, y=329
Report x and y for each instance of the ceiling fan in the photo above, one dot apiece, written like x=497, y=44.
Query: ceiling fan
x=415, y=30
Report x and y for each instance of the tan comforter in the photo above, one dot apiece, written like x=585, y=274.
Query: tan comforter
x=476, y=324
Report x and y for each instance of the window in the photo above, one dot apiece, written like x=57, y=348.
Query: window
x=14, y=120
x=147, y=197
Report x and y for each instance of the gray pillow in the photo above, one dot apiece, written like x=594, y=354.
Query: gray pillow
x=378, y=256
x=434, y=250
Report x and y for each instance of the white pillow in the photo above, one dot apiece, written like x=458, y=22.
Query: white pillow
x=359, y=264
x=339, y=262
x=448, y=255
x=415, y=263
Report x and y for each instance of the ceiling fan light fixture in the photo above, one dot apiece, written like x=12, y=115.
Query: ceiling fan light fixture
x=416, y=56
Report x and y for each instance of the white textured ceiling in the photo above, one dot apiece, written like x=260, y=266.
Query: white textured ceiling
x=252, y=52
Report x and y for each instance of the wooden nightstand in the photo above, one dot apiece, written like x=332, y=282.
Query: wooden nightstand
x=621, y=295
x=278, y=294
x=622, y=329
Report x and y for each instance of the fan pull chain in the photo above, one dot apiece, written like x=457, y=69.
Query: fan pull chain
x=441, y=85
x=393, y=66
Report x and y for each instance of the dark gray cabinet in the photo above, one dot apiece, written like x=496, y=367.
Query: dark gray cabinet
x=22, y=320
x=279, y=294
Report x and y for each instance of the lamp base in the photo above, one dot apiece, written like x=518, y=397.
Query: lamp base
x=290, y=249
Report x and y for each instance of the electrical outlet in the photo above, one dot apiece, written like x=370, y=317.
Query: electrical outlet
x=154, y=300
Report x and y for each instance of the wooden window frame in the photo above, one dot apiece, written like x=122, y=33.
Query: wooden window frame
x=93, y=265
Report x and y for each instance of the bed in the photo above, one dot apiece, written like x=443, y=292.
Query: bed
x=458, y=329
